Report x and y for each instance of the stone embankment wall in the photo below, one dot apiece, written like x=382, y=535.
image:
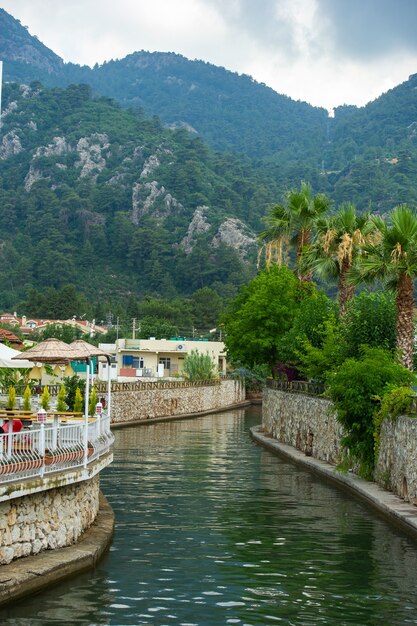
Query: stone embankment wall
x=396, y=468
x=143, y=404
x=309, y=424
x=47, y=520
x=304, y=422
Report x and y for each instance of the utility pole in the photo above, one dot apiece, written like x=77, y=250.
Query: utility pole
x=117, y=327
x=134, y=328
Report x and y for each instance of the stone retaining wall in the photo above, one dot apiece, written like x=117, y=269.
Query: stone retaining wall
x=309, y=424
x=396, y=468
x=131, y=406
x=305, y=422
x=47, y=520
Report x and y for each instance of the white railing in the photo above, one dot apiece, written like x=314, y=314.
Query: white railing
x=52, y=447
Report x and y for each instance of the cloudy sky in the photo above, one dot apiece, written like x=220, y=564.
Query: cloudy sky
x=326, y=52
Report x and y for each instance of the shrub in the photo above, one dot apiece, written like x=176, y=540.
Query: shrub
x=198, y=366
x=354, y=389
x=45, y=398
x=394, y=402
x=71, y=385
x=61, y=404
x=11, y=399
x=27, y=395
x=92, y=402
x=78, y=401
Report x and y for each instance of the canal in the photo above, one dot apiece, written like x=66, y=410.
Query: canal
x=212, y=530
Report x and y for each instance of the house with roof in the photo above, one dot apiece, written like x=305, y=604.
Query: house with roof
x=134, y=359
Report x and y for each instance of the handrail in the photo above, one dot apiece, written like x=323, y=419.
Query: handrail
x=52, y=447
x=101, y=387
x=296, y=386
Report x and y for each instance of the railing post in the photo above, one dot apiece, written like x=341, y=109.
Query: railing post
x=42, y=447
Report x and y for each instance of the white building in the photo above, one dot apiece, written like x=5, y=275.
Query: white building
x=156, y=358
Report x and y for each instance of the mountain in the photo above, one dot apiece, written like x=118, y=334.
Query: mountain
x=109, y=200
x=229, y=111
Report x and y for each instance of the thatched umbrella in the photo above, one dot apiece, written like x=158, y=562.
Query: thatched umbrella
x=49, y=351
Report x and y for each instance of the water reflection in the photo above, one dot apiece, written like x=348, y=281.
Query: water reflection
x=213, y=530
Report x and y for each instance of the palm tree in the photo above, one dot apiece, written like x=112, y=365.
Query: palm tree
x=292, y=223
x=393, y=259
x=338, y=243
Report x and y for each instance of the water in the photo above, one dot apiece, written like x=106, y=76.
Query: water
x=214, y=530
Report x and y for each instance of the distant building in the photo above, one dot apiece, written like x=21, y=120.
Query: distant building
x=133, y=359
x=27, y=324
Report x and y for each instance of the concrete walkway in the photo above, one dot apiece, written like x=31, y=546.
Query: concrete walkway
x=401, y=513
x=33, y=573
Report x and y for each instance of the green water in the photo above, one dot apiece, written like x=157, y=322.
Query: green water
x=212, y=530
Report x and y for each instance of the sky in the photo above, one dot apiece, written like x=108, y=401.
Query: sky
x=325, y=52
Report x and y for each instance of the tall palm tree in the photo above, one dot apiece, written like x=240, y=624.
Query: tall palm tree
x=339, y=241
x=292, y=223
x=393, y=259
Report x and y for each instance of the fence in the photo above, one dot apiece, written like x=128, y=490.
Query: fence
x=52, y=447
x=296, y=386
x=101, y=387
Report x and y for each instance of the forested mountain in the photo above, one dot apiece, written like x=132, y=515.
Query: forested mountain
x=108, y=198
x=112, y=202
x=229, y=111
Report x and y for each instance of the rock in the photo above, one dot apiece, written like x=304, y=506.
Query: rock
x=11, y=145
x=236, y=234
x=34, y=174
x=198, y=226
x=150, y=165
x=90, y=150
x=58, y=147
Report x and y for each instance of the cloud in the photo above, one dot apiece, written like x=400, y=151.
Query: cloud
x=327, y=52
x=368, y=29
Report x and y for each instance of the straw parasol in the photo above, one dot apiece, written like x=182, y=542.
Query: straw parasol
x=50, y=351
x=86, y=349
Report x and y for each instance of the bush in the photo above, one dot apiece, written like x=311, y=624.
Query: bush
x=27, y=395
x=72, y=383
x=92, y=402
x=355, y=390
x=78, y=401
x=198, y=366
x=45, y=398
x=369, y=320
x=11, y=399
x=61, y=404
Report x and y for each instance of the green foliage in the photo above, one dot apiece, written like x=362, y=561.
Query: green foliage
x=261, y=314
x=198, y=366
x=27, y=395
x=45, y=398
x=78, y=401
x=61, y=404
x=319, y=362
x=394, y=402
x=370, y=321
x=72, y=383
x=308, y=328
x=92, y=402
x=255, y=378
x=11, y=399
x=354, y=389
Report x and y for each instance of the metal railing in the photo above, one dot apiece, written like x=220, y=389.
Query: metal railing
x=52, y=447
x=296, y=386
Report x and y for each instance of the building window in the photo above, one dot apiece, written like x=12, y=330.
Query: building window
x=138, y=362
x=165, y=361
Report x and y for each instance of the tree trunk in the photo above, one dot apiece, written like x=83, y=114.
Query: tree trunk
x=346, y=291
x=304, y=238
x=405, y=322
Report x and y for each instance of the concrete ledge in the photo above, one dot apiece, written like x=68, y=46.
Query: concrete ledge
x=169, y=418
x=33, y=573
x=402, y=514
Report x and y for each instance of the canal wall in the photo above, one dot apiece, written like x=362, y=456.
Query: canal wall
x=137, y=403
x=47, y=520
x=309, y=424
